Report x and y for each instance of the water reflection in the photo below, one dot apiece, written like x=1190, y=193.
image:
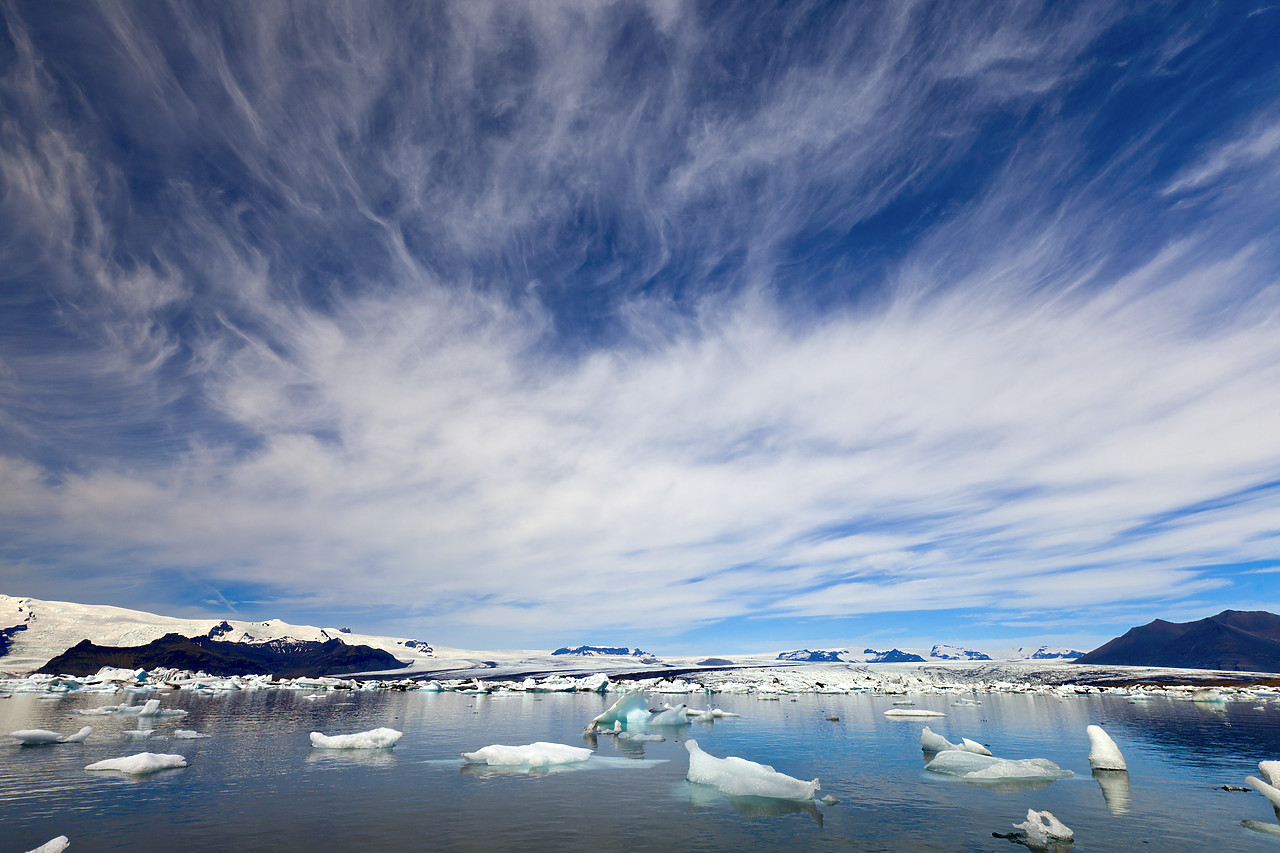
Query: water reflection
x=754, y=807
x=352, y=758
x=1115, y=789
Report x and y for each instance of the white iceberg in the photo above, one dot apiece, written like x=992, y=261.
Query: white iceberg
x=143, y=762
x=540, y=754
x=1267, y=790
x=1044, y=829
x=631, y=708
x=738, y=777
x=34, y=737
x=187, y=734
x=912, y=712
x=973, y=767
x=931, y=741
x=670, y=716
x=1270, y=771
x=1103, y=752
x=372, y=739
x=53, y=845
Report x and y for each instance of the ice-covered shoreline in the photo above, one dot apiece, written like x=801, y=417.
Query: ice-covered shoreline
x=765, y=682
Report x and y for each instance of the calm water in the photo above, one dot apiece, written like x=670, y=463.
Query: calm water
x=256, y=784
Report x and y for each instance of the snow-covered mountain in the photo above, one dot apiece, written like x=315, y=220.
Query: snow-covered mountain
x=938, y=653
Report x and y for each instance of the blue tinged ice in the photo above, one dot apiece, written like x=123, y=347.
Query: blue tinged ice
x=670, y=716
x=738, y=777
x=631, y=709
x=540, y=754
x=373, y=739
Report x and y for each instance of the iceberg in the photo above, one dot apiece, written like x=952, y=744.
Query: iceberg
x=143, y=762
x=631, y=708
x=1043, y=829
x=187, y=734
x=973, y=767
x=540, y=754
x=670, y=716
x=1270, y=771
x=372, y=739
x=53, y=845
x=36, y=737
x=912, y=712
x=738, y=777
x=1103, y=752
x=931, y=741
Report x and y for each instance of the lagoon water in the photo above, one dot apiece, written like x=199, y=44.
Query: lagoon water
x=257, y=784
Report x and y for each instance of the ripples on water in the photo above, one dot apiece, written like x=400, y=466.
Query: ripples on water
x=257, y=784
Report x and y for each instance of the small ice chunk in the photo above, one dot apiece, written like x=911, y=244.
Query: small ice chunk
x=150, y=709
x=973, y=746
x=372, y=739
x=670, y=717
x=34, y=737
x=738, y=777
x=931, y=741
x=1270, y=771
x=1043, y=829
x=187, y=734
x=973, y=767
x=54, y=845
x=632, y=707
x=1269, y=791
x=540, y=754
x=143, y=762
x=1103, y=752
x=912, y=712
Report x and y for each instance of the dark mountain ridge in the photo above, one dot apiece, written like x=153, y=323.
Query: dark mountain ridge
x=1235, y=640
x=282, y=658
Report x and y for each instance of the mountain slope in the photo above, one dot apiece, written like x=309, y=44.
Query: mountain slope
x=1232, y=640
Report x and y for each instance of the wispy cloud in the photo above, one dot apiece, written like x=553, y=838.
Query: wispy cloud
x=619, y=318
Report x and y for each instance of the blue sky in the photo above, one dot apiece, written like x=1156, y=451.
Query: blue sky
x=693, y=326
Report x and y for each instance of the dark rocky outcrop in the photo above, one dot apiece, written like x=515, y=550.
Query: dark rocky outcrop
x=892, y=656
x=1236, y=640
x=807, y=656
x=6, y=637
x=593, y=651
x=282, y=658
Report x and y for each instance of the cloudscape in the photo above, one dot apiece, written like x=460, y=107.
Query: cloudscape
x=670, y=324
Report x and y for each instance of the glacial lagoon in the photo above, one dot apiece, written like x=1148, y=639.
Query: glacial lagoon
x=256, y=783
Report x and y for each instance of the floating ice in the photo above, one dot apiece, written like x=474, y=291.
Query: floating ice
x=631, y=708
x=738, y=777
x=1043, y=829
x=150, y=709
x=143, y=762
x=931, y=741
x=973, y=767
x=636, y=737
x=1270, y=771
x=372, y=739
x=1260, y=826
x=1103, y=752
x=1267, y=790
x=670, y=716
x=540, y=754
x=54, y=845
x=912, y=712
x=34, y=737
x=973, y=746
x=187, y=734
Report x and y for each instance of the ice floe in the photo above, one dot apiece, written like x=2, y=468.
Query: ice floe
x=187, y=734
x=973, y=767
x=36, y=737
x=1043, y=829
x=742, y=778
x=379, y=738
x=143, y=762
x=1103, y=752
x=540, y=754
x=632, y=708
x=670, y=716
x=912, y=712
x=53, y=845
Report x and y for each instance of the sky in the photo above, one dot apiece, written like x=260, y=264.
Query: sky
x=689, y=326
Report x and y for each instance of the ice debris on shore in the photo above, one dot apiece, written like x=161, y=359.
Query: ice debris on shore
x=1043, y=829
x=142, y=763
x=53, y=845
x=738, y=777
x=931, y=741
x=37, y=737
x=540, y=754
x=1103, y=752
x=379, y=738
x=988, y=768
